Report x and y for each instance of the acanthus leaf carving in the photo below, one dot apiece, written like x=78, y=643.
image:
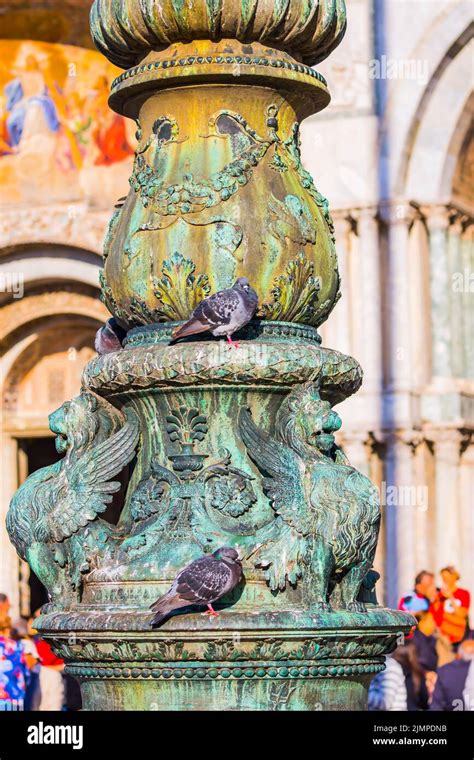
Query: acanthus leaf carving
x=179, y=290
x=295, y=293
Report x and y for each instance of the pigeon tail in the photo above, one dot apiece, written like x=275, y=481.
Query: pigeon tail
x=190, y=328
x=164, y=606
x=158, y=618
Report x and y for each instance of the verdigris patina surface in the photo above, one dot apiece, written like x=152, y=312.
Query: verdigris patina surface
x=216, y=445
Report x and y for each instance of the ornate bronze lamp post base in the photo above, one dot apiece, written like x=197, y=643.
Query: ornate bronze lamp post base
x=272, y=661
x=225, y=446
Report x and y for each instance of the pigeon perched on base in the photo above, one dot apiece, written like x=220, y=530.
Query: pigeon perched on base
x=109, y=337
x=203, y=581
x=223, y=313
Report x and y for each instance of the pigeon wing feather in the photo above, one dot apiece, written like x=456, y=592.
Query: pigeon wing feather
x=217, y=309
x=214, y=311
x=204, y=581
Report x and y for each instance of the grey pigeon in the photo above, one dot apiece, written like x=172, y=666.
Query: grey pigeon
x=223, y=313
x=201, y=582
x=109, y=337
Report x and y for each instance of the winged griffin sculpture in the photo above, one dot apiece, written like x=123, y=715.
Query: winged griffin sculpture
x=328, y=513
x=53, y=517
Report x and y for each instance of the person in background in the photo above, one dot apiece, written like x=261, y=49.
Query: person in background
x=51, y=681
x=15, y=665
x=20, y=633
x=4, y=606
x=451, y=607
x=387, y=690
x=405, y=656
x=424, y=590
x=418, y=655
x=425, y=641
x=430, y=682
x=454, y=689
x=422, y=600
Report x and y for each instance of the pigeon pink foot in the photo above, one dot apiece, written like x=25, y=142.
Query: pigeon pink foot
x=234, y=343
x=211, y=611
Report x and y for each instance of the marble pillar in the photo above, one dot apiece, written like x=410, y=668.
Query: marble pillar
x=447, y=449
x=466, y=502
x=9, y=563
x=337, y=331
x=437, y=221
x=396, y=315
x=399, y=502
x=467, y=261
x=356, y=449
x=369, y=296
x=424, y=514
x=457, y=337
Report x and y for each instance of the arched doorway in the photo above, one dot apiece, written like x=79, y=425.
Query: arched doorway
x=46, y=338
x=44, y=375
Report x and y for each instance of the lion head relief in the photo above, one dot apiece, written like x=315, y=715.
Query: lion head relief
x=307, y=423
x=84, y=419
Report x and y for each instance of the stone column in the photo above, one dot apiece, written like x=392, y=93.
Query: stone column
x=369, y=295
x=425, y=512
x=466, y=501
x=365, y=318
x=9, y=564
x=437, y=221
x=357, y=451
x=377, y=476
x=24, y=569
x=467, y=261
x=337, y=329
x=398, y=325
x=396, y=406
x=447, y=449
x=457, y=340
x=399, y=505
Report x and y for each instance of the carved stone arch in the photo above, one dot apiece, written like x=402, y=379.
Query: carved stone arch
x=46, y=338
x=40, y=263
x=443, y=49
x=17, y=315
x=439, y=130
x=47, y=371
x=405, y=99
x=73, y=225
x=40, y=326
x=459, y=157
